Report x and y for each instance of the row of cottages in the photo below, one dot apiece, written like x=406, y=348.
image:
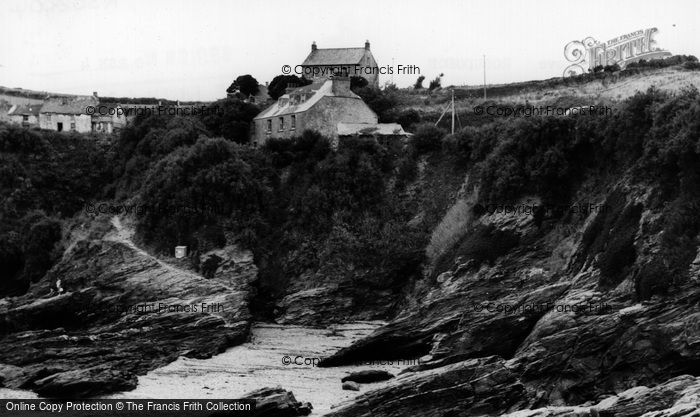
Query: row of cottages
x=343, y=62
x=69, y=114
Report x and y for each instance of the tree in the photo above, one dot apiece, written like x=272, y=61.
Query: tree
x=436, y=83
x=419, y=83
x=280, y=83
x=381, y=102
x=246, y=84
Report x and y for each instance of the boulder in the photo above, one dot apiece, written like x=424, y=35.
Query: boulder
x=351, y=386
x=475, y=387
x=368, y=376
x=272, y=402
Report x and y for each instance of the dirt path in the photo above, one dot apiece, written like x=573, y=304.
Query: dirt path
x=125, y=235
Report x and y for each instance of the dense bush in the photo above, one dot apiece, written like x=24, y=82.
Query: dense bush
x=210, y=185
x=294, y=202
x=382, y=102
x=230, y=118
x=662, y=62
x=428, y=138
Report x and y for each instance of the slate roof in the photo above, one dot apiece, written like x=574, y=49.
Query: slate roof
x=314, y=92
x=335, y=56
x=68, y=105
x=381, y=129
x=26, y=109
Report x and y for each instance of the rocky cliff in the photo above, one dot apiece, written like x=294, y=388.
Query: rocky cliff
x=108, y=311
x=564, y=336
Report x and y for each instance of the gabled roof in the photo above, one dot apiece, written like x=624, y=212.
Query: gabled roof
x=335, y=56
x=75, y=105
x=26, y=109
x=381, y=129
x=292, y=103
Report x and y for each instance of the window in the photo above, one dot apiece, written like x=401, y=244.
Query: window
x=269, y=125
x=72, y=126
x=294, y=123
x=281, y=124
x=25, y=118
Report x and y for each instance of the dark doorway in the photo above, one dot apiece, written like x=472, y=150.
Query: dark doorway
x=59, y=127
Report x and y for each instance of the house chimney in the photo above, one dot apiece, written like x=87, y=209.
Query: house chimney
x=313, y=46
x=367, y=45
x=341, y=86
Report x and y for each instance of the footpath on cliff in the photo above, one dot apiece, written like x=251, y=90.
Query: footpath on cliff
x=109, y=311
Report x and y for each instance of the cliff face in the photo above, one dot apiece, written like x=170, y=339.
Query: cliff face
x=121, y=313
x=567, y=333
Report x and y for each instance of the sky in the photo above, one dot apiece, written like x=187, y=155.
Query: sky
x=193, y=50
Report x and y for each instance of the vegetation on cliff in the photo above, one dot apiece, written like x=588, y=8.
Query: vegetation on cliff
x=304, y=207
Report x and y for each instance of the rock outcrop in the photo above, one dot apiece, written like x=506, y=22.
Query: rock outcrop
x=122, y=313
x=351, y=386
x=481, y=386
x=276, y=402
x=567, y=320
x=368, y=376
x=677, y=397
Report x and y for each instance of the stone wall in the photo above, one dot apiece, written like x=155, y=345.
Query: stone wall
x=83, y=122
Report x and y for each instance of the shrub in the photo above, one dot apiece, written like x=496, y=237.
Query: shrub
x=435, y=83
x=408, y=118
x=419, y=83
x=428, y=138
x=692, y=65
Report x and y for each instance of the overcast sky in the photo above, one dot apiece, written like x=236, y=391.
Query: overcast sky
x=192, y=50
